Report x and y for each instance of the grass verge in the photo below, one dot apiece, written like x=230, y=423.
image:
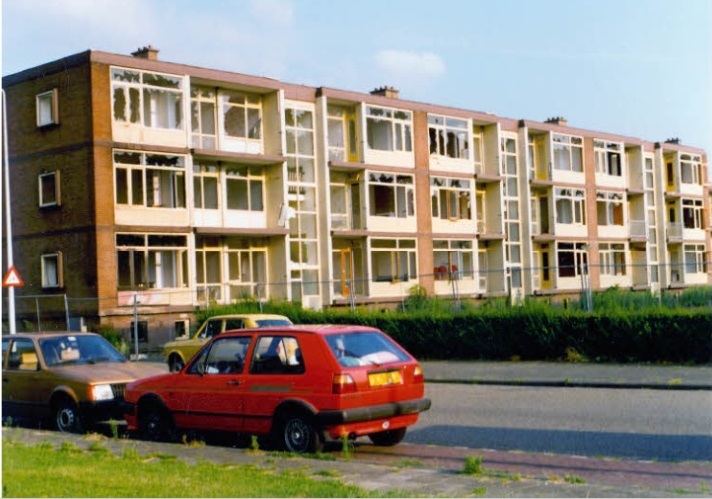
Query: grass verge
x=44, y=470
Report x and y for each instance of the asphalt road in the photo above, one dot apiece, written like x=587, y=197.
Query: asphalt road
x=663, y=425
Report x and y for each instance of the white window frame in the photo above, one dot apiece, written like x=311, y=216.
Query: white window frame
x=449, y=137
x=694, y=255
x=460, y=256
x=610, y=202
x=399, y=134
x=608, y=157
x=167, y=189
x=254, y=179
x=579, y=252
x=203, y=114
x=203, y=174
x=401, y=256
x=403, y=194
x=694, y=208
x=153, y=100
x=693, y=163
x=613, y=258
x=52, y=270
x=47, y=107
x=55, y=199
x=150, y=251
x=571, y=148
x=576, y=199
x=251, y=110
x=451, y=198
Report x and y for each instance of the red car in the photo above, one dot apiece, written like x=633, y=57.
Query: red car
x=300, y=385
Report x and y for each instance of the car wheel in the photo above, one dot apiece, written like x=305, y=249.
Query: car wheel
x=175, y=364
x=154, y=424
x=67, y=418
x=387, y=438
x=298, y=435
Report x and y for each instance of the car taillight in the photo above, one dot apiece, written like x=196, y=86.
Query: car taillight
x=343, y=383
x=418, y=374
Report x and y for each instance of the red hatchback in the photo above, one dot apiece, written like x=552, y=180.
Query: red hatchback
x=298, y=384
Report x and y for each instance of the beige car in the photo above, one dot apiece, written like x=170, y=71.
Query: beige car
x=72, y=380
x=179, y=351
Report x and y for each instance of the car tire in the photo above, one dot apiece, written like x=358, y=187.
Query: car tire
x=155, y=424
x=175, y=364
x=67, y=417
x=297, y=434
x=387, y=438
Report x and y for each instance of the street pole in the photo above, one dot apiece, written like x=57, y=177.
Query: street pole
x=8, y=223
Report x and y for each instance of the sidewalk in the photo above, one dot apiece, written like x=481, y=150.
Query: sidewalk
x=563, y=374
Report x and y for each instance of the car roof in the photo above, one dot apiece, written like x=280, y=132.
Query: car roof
x=318, y=329
x=248, y=316
x=48, y=334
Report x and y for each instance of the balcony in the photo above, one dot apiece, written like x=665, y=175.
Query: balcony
x=637, y=231
x=674, y=232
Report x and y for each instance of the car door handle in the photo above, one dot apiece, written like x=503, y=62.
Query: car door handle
x=234, y=382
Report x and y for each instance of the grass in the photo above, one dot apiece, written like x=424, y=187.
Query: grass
x=46, y=471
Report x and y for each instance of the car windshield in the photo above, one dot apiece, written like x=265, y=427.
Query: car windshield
x=273, y=322
x=365, y=348
x=77, y=349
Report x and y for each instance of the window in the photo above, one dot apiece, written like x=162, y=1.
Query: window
x=149, y=180
x=570, y=206
x=612, y=259
x=49, y=189
x=450, y=198
x=391, y=195
x=695, y=259
x=572, y=259
x=225, y=356
x=389, y=129
x=690, y=169
x=607, y=157
x=393, y=260
x=568, y=152
x=149, y=99
x=47, y=108
x=205, y=186
x=152, y=261
x=245, y=186
x=609, y=207
x=453, y=259
x=448, y=137
x=203, y=117
x=277, y=355
x=52, y=270
x=23, y=356
x=692, y=213
x=242, y=114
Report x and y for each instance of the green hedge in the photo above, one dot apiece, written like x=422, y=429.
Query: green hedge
x=534, y=332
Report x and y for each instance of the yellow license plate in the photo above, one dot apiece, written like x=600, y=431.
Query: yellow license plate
x=385, y=378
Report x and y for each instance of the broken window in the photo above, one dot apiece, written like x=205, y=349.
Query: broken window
x=448, y=137
x=450, y=198
x=453, y=259
x=391, y=195
x=612, y=259
x=607, y=157
x=152, y=261
x=609, y=208
x=150, y=180
x=570, y=206
x=568, y=152
x=242, y=114
x=389, y=129
x=150, y=99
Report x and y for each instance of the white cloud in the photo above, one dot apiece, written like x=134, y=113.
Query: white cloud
x=423, y=64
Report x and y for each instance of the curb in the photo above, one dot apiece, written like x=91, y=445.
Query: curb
x=574, y=384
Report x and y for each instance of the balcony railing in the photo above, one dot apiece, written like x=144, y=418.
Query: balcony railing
x=637, y=228
x=674, y=230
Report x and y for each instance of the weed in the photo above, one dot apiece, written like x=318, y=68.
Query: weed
x=480, y=491
x=574, y=479
x=8, y=422
x=114, y=427
x=130, y=454
x=97, y=447
x=409, y=463
x=328, y=473
x=347, y=447
x=473, y=465
x=704, y=487
x=70, y=448
x=254, y=444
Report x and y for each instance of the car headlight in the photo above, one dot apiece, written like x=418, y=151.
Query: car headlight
x=101, y=392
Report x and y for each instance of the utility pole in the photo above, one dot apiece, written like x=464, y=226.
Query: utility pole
x=8, y=220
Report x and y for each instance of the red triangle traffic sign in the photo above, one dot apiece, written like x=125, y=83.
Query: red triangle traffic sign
x=12, y=278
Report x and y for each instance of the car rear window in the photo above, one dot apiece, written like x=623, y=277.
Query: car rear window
x=364, y=348
x=273, y=322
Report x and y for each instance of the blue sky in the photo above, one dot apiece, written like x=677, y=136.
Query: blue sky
x=641, y=68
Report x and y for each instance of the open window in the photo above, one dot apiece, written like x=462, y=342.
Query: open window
x=47, y=108
x=49, y=192
x=52, y=270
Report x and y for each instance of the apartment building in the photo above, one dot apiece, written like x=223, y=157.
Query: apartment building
x=142, y=189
